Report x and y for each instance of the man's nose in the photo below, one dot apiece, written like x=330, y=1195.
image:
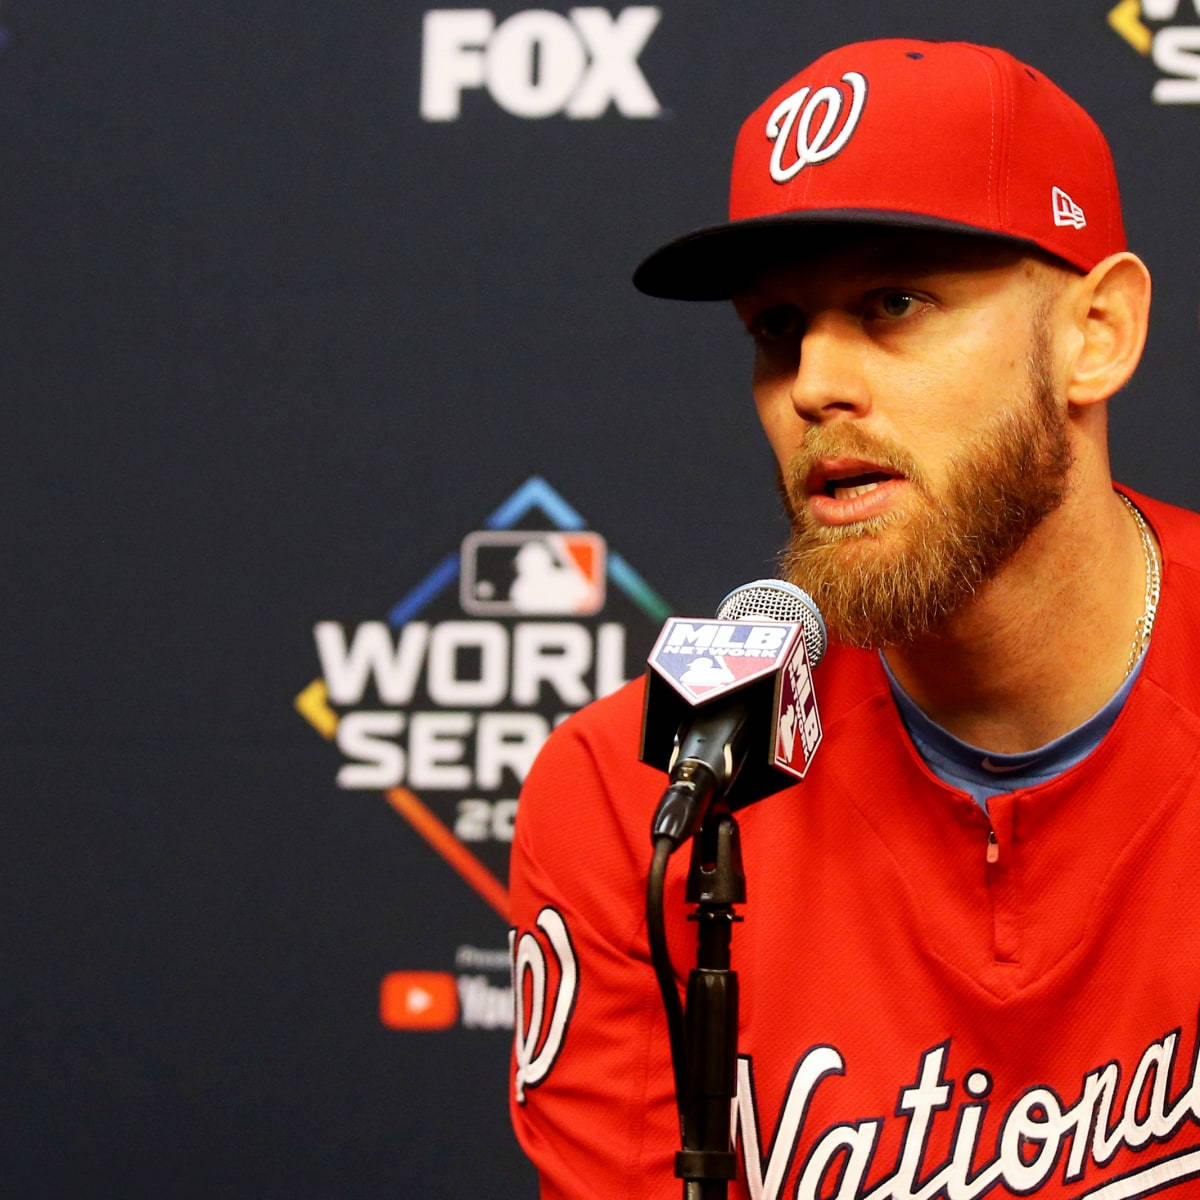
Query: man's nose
x=830, y=380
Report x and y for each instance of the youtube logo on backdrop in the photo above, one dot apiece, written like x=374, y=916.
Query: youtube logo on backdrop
x=419, y=1000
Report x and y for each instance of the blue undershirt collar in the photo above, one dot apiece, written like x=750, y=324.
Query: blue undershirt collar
x=982, y=774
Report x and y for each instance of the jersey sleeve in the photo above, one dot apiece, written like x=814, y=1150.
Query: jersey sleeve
x=590, y=1092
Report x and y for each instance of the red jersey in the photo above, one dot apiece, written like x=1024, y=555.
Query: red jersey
x=937, y=1002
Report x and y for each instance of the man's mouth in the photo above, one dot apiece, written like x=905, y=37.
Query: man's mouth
x=846, y=489
x=855, y=485
x=844, y=478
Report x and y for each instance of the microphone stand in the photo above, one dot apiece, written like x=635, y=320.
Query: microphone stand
x=705, y=743
x=716, y=882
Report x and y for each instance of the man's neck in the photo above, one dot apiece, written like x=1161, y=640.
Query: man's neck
x=1044, y=644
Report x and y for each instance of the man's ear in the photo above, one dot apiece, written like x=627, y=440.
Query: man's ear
x=1110, y=311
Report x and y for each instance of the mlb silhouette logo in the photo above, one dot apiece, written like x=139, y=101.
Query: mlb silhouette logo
x=532, y=573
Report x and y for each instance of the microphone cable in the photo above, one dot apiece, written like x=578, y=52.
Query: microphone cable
x=656, y=928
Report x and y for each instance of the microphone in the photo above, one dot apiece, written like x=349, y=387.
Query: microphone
x=729, y=712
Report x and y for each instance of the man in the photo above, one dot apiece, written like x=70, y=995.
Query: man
x=967, y=962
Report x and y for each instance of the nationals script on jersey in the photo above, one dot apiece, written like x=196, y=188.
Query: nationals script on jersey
x=937, y=1002
x=1037, y=1139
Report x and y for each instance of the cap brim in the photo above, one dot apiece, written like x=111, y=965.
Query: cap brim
x=722, y=260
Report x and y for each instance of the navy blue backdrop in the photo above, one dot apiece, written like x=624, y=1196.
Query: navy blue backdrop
x=297, y=297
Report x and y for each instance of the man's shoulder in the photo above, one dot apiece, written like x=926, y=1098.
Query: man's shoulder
x=583, y=821
x=1169, y=661
x=602, y=739
x=616, y=716
x=1177, y=529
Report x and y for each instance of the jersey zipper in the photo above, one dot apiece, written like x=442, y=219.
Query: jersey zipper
x=1002, y=881
x=993, y=846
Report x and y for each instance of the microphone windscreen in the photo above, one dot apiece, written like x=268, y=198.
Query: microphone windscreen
x=778, y=600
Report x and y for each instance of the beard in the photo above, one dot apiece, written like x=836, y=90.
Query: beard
x=873, y=589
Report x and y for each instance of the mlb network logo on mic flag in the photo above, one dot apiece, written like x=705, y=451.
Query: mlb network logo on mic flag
x=703, y=660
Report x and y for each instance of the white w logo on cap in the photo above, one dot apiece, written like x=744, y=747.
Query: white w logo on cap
x=813, y=147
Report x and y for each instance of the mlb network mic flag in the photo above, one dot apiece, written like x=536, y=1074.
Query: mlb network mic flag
x=695, y=663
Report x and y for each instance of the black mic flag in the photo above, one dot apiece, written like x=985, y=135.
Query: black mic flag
x=729, y=711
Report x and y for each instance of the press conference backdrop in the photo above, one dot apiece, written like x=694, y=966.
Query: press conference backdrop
x=344, y=461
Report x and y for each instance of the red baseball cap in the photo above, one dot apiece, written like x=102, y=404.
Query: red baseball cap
x=927, y=135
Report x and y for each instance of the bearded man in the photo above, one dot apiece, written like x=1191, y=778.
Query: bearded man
x=966, y=965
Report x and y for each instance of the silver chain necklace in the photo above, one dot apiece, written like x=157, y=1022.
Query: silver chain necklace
x=1141, y=632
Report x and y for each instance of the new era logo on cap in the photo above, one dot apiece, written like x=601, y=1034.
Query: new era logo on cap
x=1066, y=211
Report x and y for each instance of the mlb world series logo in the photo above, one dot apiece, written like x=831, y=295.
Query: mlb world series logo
x=442, y=706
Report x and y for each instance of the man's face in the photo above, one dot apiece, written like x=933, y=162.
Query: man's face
x=905, y=385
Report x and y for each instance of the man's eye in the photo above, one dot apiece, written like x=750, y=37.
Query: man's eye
x=776, y=324
x=895, y=304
